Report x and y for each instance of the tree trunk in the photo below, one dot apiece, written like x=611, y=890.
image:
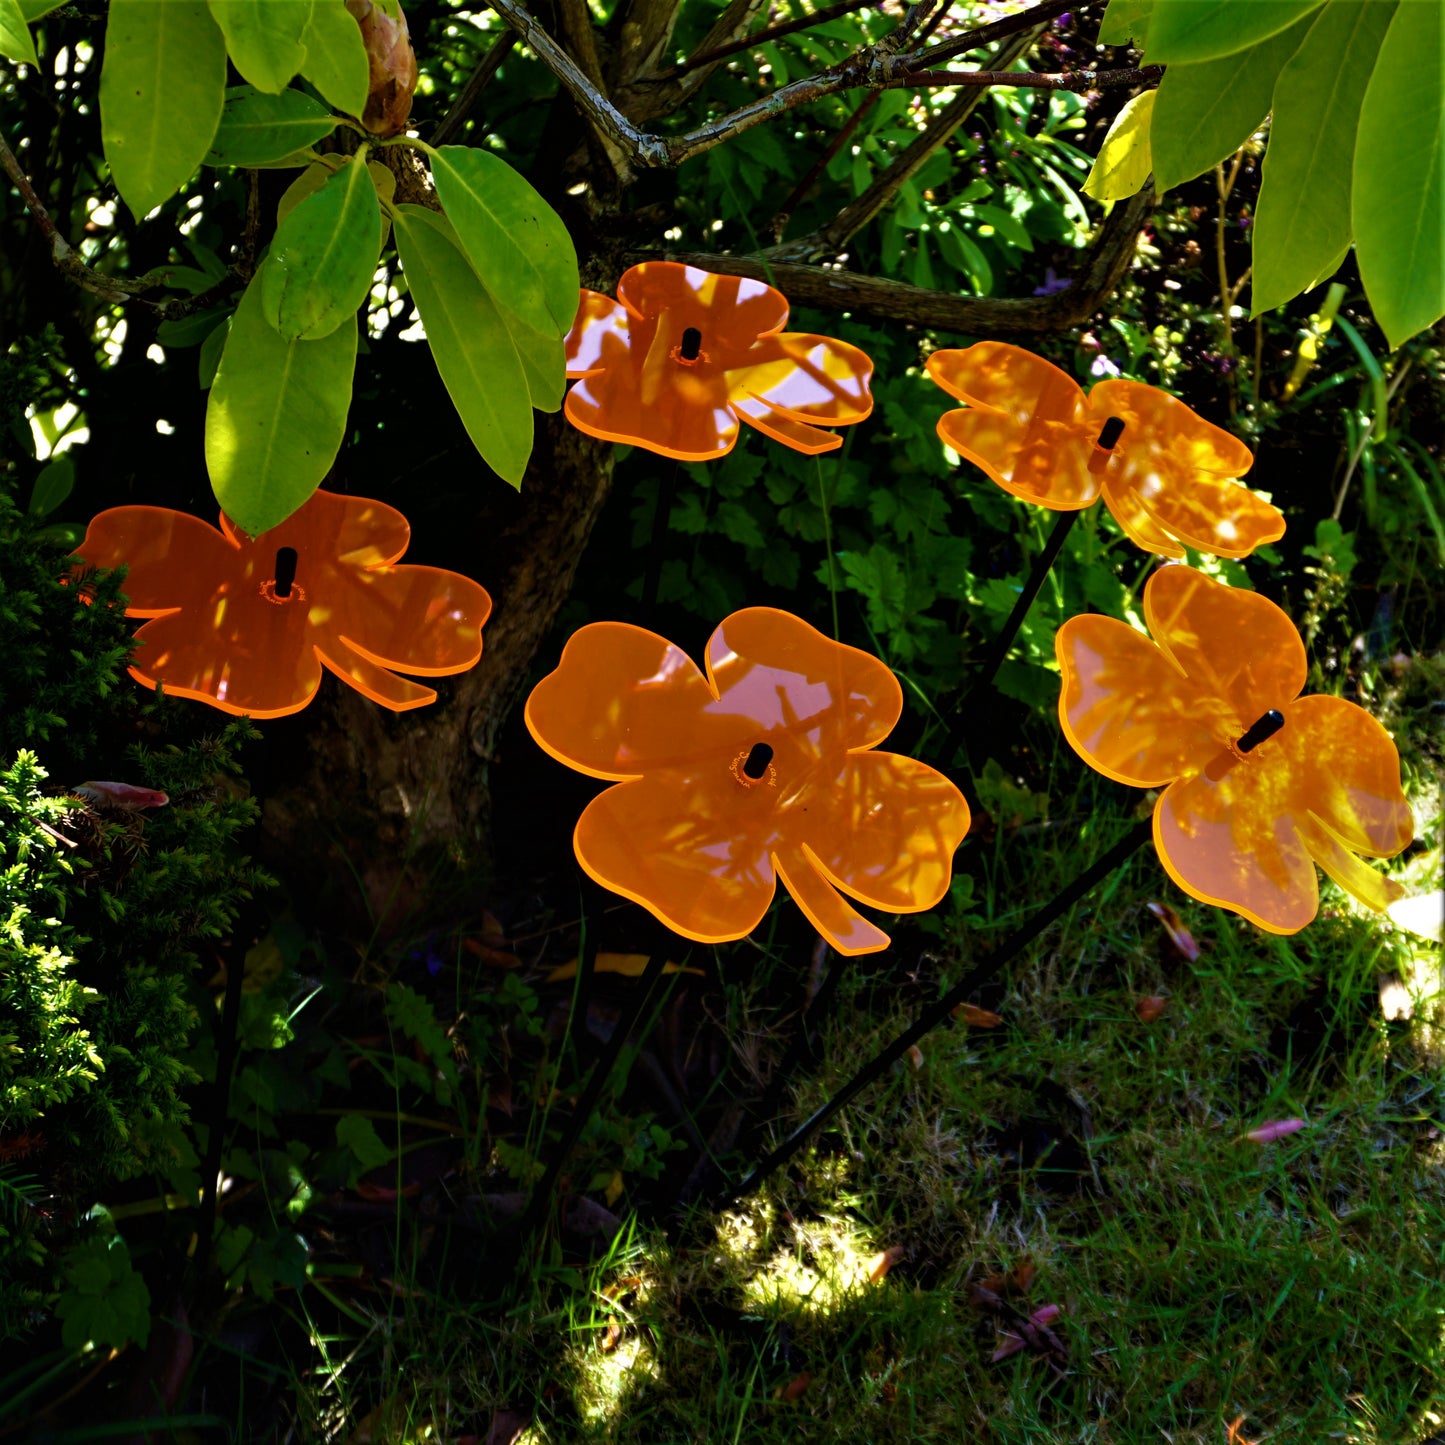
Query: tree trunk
x=403, y=797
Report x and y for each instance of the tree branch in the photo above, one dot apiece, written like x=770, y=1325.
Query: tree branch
x=575, y=22
x=779, y=223
x=833, y=237
x=643, y=97
x=638, y=147
x=109, y=288
x=983, y=35
x=982, y=316
x=643, y=29
x=762, y=37
x=477, y=82
x=877, y=67
x=1075, y=80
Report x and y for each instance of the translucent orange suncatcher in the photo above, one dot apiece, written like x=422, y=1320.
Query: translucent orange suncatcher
x=1166, y=474
x=763, y=767
x=1260, y=784
x=682, y=356
x=247, y=624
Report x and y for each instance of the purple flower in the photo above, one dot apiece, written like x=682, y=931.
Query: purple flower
x=1053, y=284
x=1102, y=366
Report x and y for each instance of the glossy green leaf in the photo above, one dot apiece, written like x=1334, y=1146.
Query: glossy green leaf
x=306, y=184
x=190, y=330
x=257, y=128
x=1399, y=178
x=516, y=241
x=34, y=9
x=276, y=416
x=324, y=256
x=1125, y=20
x=1124, y=160
x=52, y=486
x=1189, y=31
x=16, y=42
x=471, y=343
x=544, y=360
x=210, y=357
x=1204, y=113
x=1302, y=223
x=161, y=91
x=336, y=62
x=264, y=38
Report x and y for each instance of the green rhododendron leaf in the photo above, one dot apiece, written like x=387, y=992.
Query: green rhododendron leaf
x=1302, y=223
x=1204, y=113
x=276, y=415
x=324, y=256
x=471, y=342
x=264, y=38
x=15, y=39
x=544, y=359
x=1125, y=20
x=1399, y=181
x=516, y=241
x=258, y=129
x=336, y=62
x=1189, y=31
x=161, y=91
x=1124, y=160
x=306, y=184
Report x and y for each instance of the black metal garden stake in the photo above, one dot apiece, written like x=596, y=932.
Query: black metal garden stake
x=965, y=711
x=939, y=1010
x=596, y=1081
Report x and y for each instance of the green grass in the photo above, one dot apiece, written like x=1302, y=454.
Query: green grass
x=1202, y=1277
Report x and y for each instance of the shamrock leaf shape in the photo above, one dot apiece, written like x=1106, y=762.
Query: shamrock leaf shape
x=1259, y=783
x=682, y=356
x=1164, y=472
x=762, y=768
x=246, y=624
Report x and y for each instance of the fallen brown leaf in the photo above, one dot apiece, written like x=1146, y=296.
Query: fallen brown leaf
x=628, y=965
x=975, y=1017
x=915, y=1056
x=795, y=1386
x=1151, y=1007
x=881, y=1263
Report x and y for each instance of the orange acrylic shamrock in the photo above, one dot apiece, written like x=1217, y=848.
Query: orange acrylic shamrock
x=246, y=624
x=1165, y=473
x=1259, y=783
x=682, y=356
x=762, y=768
